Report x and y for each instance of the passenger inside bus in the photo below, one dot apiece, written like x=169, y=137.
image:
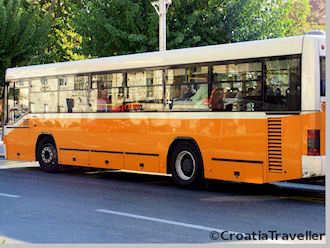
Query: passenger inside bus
x=200, y=95
x=194, y=96
x=217, y=99
x=187, y=93
x=103, y=100
x=70, y=104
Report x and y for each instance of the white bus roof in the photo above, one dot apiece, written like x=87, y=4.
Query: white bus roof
x=223, y=52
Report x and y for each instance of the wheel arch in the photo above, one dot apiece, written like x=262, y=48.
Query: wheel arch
x=174, y=143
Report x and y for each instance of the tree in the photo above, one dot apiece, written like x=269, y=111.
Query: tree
x=23, y=34
x=317, y=18
x=63, y=42
x=300, y=11
x=111, y=27
x=263, y=19
x=117, y=27
x=196, y=23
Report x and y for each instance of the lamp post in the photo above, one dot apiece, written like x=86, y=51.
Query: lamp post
x=161, y=8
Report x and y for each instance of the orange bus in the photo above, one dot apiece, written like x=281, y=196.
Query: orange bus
x=248, y=112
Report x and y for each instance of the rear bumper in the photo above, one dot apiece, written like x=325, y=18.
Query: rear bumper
x=313, y=166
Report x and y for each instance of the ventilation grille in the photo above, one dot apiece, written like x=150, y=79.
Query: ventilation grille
x=275, y=145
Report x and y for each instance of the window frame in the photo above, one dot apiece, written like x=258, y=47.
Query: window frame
x=164, y=70
x=299, y=58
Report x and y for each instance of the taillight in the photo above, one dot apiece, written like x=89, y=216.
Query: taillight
x=313, y=142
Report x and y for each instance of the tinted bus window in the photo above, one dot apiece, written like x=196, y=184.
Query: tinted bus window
x=283, y=85
x=322, y=76
x=187, y=89
x=237, y=87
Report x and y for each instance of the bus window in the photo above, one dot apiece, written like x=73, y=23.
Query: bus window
x=144, y=91
x=187, y=89
x=44, y=95
x=322, y=76
x=44, y=84
x=108, y=92
x=283, y=85
x=81, y=82
x=18, y=100
x=101, y=86
x=44, y=102
x=74, y=94
x=102, y=80
x=237, y=87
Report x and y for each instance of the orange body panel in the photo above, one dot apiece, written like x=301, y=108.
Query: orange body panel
x=228, y=146
x=106, y=160
x=74, y=158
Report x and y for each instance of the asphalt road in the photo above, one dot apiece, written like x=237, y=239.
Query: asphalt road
x=80, y=206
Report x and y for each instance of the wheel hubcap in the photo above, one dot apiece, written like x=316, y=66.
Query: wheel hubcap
x=47, y=154
x=185, y=165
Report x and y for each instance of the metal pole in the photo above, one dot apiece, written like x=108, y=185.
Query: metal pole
x=161, y=7
x=162, y=25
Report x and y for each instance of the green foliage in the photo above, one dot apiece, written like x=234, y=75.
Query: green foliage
x=117, y=27
x=23, y=33
x=63, y=42
x=263, y=19
x=196, y=23
x=111, y=27
x=299, y=13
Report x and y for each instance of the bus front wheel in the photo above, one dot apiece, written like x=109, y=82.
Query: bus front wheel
x=186, y=164
x=47, y=156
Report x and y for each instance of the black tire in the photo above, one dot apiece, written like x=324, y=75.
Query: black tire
x=186, y=164
x=47, y=156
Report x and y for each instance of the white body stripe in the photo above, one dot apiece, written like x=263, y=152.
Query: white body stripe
x=233, y=51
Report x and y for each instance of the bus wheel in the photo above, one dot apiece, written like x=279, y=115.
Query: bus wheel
x=47, y=156
x=186, y=164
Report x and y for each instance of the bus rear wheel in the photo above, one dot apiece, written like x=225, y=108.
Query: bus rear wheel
x=47, y=156
x=186, y=164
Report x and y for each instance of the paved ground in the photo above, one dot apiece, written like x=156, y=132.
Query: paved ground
x=114, y=207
